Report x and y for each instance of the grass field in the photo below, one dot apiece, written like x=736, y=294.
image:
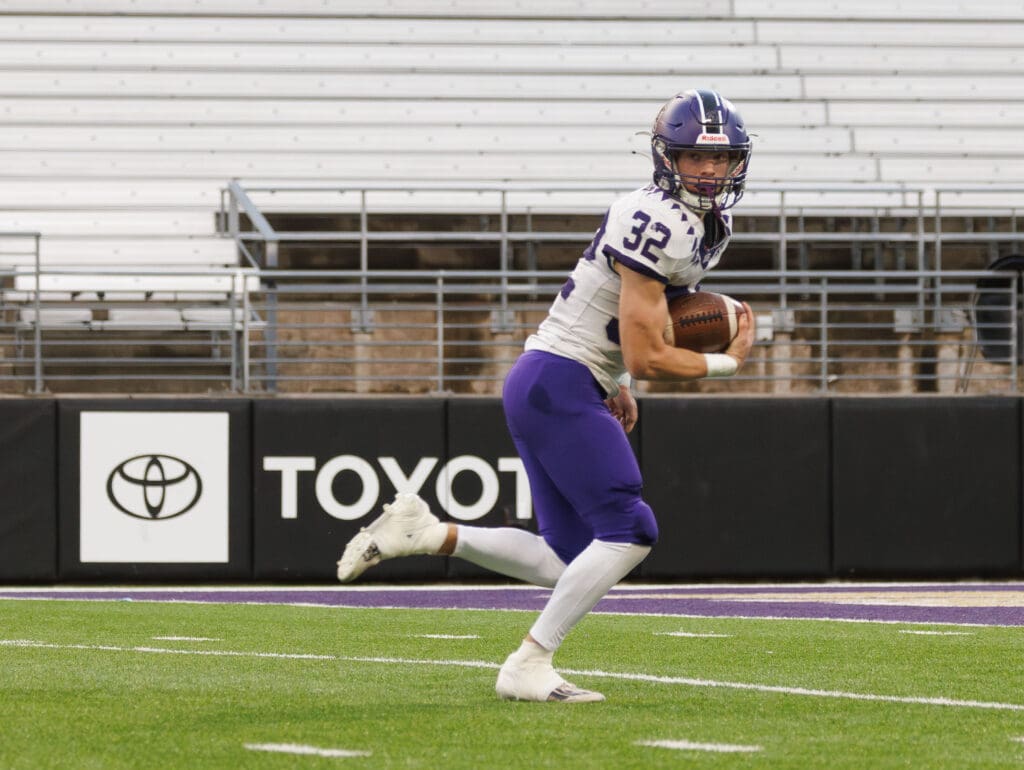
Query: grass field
x=116, y=684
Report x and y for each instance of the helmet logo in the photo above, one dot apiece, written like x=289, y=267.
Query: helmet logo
x=713, y=139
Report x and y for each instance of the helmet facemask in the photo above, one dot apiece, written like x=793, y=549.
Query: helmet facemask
x=702, y=192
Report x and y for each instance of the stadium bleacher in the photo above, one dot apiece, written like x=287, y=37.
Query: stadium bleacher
x=123, y=120
x=120, y=96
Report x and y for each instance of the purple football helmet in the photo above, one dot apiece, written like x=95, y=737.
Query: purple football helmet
x=700, y=120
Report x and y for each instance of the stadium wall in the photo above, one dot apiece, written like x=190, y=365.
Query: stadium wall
x=271, y=489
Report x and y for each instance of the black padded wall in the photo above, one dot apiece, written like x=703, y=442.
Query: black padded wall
x=28, y=489
x=740, y=486
x=926, y=486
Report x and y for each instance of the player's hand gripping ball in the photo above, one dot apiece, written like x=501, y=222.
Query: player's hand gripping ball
x=703, y=321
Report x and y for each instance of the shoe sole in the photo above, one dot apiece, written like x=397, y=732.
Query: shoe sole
x=564, y=693
x=360, y=554
x=574, y=695
x=581, y=696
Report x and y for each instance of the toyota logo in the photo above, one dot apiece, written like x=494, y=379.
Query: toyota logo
x=154, y=487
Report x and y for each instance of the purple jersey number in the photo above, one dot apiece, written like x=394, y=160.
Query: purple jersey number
x=659, y=241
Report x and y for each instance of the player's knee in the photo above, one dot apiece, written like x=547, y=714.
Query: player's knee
x=629, y=521
x=645, y=523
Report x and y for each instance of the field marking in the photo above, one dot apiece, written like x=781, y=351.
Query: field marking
x=724, y=748
x=938, y=633
x=445, y=636
x=621, y=588
x=624, y=676
x=167, y=651
x=295, y=748
x=805, y=691
x=185, y=639
x=791, y=618
x=692, y=635
x=917, y=598
x=611, y=613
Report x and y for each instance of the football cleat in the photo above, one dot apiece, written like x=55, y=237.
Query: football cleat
x=538, y=681
x=405, y=528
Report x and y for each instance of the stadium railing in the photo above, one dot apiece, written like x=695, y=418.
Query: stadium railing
x=924, y=221
x=445, y=331
x=915, y=323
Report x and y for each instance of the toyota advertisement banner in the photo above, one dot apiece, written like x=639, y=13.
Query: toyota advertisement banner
x=208, y=489
x=324, y=468
x=157, y=491
x=154, y=487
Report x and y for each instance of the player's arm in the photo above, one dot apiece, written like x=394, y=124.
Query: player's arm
x=643, y=316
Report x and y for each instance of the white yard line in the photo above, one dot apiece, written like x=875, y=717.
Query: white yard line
x=631, y=677
x=185, y=639
x=937, y=633
x=295, y=748
x=692, y=635
x=723, y=748
x=730, y=616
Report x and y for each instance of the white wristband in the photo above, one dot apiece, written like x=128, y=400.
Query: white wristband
x=721, y=365
x=625, y=381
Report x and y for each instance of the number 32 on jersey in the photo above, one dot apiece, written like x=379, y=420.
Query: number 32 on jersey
x=657, y=236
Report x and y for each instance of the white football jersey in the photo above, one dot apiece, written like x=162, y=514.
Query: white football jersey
x=647, y=231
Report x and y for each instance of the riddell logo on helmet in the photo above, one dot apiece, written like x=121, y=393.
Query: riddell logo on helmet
x=713, y=139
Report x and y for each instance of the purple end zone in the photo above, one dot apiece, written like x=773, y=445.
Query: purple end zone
x=998, y=604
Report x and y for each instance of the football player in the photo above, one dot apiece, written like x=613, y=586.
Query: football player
x=567, y=399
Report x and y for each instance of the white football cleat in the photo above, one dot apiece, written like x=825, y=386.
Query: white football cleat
x=538, y=681
x=406, y=527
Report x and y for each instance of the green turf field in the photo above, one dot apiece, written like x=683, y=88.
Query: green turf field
x=91, y=685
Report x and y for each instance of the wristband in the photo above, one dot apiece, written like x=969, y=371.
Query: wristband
x=721, y=365
x=625, y=380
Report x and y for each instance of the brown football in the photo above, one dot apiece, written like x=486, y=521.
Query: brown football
x=703, y=321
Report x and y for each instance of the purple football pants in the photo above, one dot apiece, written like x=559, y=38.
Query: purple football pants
x=584, y=478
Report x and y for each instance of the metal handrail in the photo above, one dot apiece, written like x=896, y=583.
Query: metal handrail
x=35, y=238
x=425, y=311
x=922, y=204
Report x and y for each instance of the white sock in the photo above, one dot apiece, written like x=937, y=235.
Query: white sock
x=531, y=652
x=588, y=578
x=510, y=551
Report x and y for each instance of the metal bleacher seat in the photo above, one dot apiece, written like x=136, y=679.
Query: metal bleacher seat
x=188, y=301
x=658, y=9
x=856, y=29
x=202, y=319
x=154, y=251
x=535, y=92
x=111, y=224
x=133, y=286
x=40, y=181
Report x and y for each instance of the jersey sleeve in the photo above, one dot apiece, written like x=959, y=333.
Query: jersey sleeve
x=651, y=240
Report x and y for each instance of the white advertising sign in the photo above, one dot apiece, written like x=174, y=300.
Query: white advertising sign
x=154, y=487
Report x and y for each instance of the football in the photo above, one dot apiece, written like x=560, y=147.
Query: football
x=703, y=321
